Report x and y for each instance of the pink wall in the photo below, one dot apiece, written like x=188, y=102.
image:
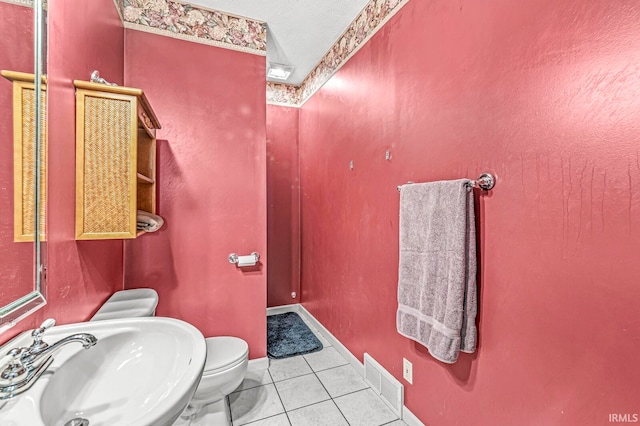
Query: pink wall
x=16, y=54
x=283, y=206
x=212, y=185
x=546, y=95
x=83, y=36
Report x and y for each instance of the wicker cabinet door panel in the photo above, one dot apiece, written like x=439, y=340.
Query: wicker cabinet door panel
x=107, y=160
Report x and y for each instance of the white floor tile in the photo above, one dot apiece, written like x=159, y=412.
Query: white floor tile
x=287, y=368
x=279, y=420
x=211, y=415
x=301, y=391
x=341, y=380
x=254, y=404
x=326, y=358
x=322, y=414
x=364, y=408
x=396, y=423
x=254, y=379
x=307, y=397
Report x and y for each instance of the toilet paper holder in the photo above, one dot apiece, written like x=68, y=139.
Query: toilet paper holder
x=241, y=261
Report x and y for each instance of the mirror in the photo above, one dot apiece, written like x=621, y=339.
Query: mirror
x=22, y=158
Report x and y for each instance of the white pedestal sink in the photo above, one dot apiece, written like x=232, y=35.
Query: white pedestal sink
x=142, y=371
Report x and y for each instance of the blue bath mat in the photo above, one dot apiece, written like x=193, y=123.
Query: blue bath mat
x=288, y=335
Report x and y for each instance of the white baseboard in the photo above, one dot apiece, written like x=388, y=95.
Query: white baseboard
x=283, y=309
x=407, y=416
x=342, y=349
x=258, y=364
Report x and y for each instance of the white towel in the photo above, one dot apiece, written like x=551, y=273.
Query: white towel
x=148, y=222
x=437, y=300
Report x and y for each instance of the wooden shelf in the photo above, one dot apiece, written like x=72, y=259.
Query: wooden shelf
x=106, y=208
x=21, y=76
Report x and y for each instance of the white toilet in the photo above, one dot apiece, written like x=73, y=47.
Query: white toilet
x=224, y=370
x=139, y=302
x=225, y=367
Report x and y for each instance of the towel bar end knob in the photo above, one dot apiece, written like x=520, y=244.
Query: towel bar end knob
x=486, y=181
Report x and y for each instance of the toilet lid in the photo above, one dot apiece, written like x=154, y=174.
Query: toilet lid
x=224, y=352
x=139, y=302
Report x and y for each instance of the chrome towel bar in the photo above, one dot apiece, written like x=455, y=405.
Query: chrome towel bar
x=486, y=181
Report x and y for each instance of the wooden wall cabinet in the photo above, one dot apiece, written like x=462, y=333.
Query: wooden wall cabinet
x=24, y=170
x=115, y=160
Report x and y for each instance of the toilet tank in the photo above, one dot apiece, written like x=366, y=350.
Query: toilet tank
x=139, y=302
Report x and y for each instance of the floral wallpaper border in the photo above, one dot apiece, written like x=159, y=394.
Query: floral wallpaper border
x=119, y=7
x=283, y=94
x=182, y=20
x=26, y=3
x=185, y=21
x=374, y=15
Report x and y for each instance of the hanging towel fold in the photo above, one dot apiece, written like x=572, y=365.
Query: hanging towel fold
x=437, y=300
x=148, y=222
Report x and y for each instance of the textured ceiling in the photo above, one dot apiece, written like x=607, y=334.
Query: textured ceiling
x=299, y=31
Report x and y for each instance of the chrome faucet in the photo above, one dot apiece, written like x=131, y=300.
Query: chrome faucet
x=23, y=366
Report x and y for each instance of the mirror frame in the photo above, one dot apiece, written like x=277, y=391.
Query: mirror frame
x=31, y=302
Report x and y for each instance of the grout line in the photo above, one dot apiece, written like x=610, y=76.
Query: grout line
x=309, y=405
x=310, y=321
x=295, y=377
x=333, y=368
x=388, y=423
x=329, y=368
x=259, y=420
x=334, y=403
x=352, y=392
x=281, y=403
x=227, y=401
x=318, y=402
x=255, y=387
x=338, y=366
x=327, y=391
x=340, y=411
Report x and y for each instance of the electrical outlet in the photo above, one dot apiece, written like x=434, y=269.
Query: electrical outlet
x=407, y=370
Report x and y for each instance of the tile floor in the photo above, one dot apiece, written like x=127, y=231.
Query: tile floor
x=317, y=389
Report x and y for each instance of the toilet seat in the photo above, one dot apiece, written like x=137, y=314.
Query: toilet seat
x=224, y=353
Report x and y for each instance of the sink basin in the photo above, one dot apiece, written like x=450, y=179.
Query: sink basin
x=142, y=371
